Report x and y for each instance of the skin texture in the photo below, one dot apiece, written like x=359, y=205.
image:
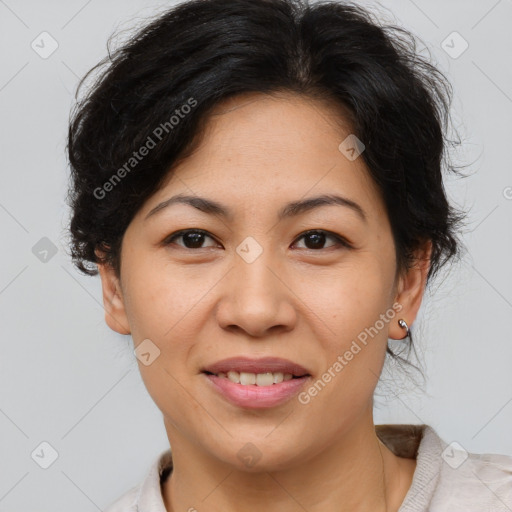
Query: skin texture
x=200, y=305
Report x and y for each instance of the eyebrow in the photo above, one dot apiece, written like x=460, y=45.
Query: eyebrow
x=292, y=209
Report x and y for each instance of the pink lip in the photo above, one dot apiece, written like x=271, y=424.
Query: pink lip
x=253, y=396
x=257, y=397
x=262, y=365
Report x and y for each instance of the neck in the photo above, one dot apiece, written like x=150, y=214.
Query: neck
x=358, y=472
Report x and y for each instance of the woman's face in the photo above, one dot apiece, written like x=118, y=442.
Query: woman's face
x=254, y=286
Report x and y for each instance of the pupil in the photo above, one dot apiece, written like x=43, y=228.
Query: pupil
x=318, y=240
x=195, y=238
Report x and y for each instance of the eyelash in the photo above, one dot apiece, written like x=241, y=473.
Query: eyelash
x=340, y=240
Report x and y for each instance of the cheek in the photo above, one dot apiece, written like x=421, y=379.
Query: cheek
x=354, y=304
x=161, y=300
x=164, y=306
x=352, y=299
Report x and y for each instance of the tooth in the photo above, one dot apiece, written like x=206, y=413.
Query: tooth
x=278, y=377
x=247, y=378
x=260, y=379
x=234, y=377
x=264, y=379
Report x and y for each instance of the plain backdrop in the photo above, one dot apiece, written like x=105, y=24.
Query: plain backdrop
x=67, y=380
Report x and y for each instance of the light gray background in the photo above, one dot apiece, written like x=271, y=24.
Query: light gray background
x=66, y=379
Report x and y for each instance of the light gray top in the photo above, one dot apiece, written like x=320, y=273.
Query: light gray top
x=446, y=478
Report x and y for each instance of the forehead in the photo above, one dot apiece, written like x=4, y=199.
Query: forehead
x=260, y=149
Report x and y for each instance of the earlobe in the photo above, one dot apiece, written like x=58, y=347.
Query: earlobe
x=113, y=301
x=411, y=289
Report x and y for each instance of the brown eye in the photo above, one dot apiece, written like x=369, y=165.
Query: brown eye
x=192, y=238
x=315, y=240
x=195, y=238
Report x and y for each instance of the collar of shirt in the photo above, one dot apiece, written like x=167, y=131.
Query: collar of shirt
x=446, y=478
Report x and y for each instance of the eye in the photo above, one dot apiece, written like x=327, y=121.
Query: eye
x=316, y=239
x=192, y=238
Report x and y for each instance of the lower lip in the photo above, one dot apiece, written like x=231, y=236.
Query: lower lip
x=257, y=397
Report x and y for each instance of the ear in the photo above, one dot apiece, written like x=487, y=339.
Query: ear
x=410, y=290
x=113, y=301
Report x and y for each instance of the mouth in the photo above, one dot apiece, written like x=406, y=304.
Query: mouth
x=260, y=372
x=256, y=383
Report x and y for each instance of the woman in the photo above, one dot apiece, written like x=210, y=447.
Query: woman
x=259, y=183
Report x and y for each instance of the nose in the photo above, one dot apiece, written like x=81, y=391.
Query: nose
x=256, y=299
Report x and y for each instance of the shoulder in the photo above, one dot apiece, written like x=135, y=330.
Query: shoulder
x=449, y=478
x=147, y=494
x=126, y=503
x=472, y=481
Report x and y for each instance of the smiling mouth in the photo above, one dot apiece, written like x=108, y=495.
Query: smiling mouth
x=256, y=379
x=256, y=383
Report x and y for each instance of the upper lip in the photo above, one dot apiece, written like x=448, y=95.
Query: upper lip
x=261, y=365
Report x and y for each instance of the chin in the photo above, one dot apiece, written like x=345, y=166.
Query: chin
x=259, y=453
